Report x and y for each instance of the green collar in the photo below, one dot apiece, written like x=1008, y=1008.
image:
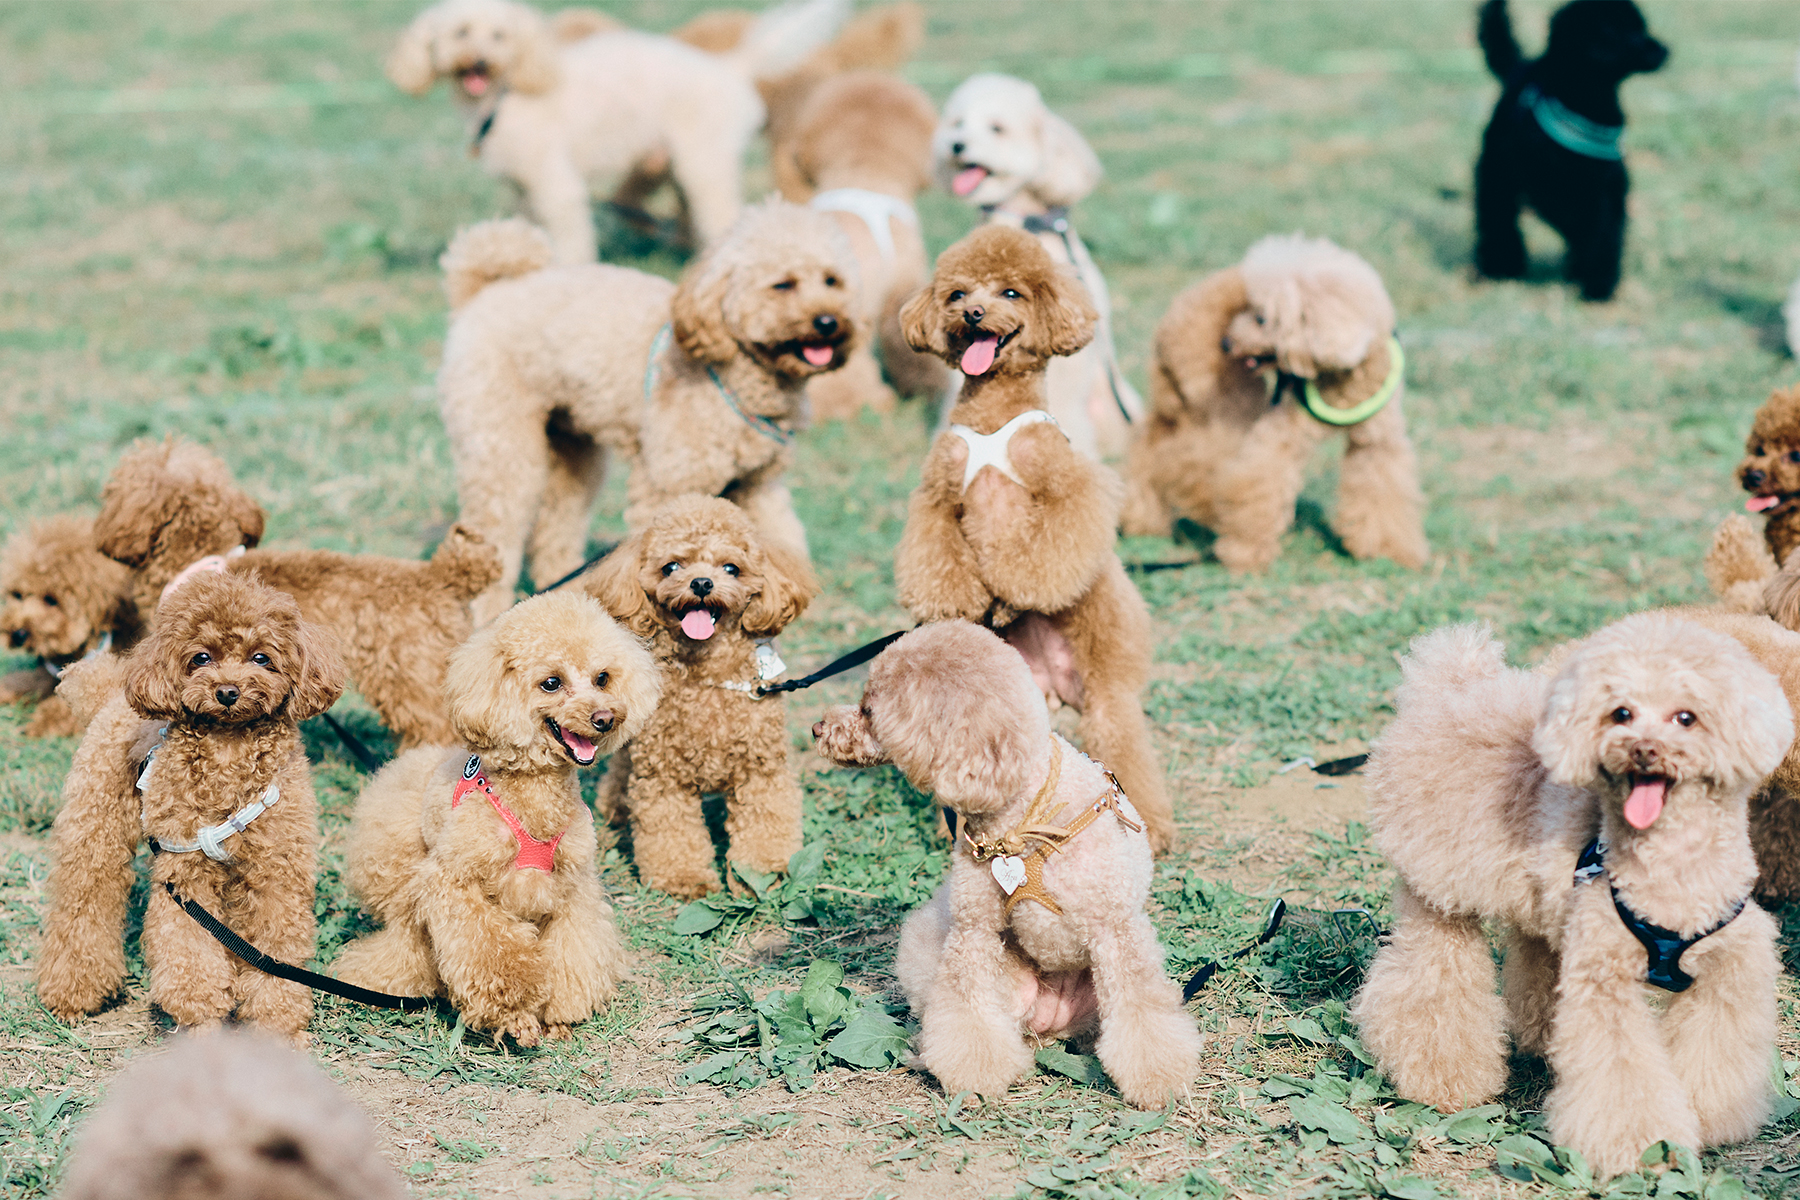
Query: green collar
x=1315, y=403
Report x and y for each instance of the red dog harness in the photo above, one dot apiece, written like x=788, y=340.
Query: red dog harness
x=533, y=853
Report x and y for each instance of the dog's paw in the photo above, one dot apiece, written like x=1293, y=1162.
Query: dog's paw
x=523, y=1028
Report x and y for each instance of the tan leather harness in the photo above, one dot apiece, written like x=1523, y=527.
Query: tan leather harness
x=1018, y=856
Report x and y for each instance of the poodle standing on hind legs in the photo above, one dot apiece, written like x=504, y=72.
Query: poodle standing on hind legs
x=1010, y=526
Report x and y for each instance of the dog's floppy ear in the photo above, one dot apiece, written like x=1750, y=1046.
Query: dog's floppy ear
x=922, y=322
x=132, y=513
x=617, y=583
x=1070, y=167
x=984, y=776
x=788, y=587
x=318, y=671
x=153, y=673
x=536, y=70
x=247, y=514
x=1064, y=315
x=485, y=698
x=408, y=64
x=1781, y=594
x=697, y=311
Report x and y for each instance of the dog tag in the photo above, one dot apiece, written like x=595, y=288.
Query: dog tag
x=1009, y=873
x=768, y=661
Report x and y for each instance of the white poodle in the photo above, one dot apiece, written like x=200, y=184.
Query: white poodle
x=998, y=147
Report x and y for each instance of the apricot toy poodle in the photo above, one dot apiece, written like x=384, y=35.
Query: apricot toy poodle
x=230, y=669
x=708, y=591
x=480, y=860
x=1011, y=527
x=701, y=386
x=1222, y=449
x=62, y=600
x=1600, y=816
x=1000, y=148
x=1040, y=931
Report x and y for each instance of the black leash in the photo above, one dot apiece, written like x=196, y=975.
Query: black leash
x=593, y=561
x=293, y=974
x=353, y=744
x=837, y=666
x=1174, y=564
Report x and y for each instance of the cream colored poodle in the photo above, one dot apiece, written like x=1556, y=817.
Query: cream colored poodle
x=1600, y=817
x=1000, y=148
x=1040, y=931
x=1220, y=448
x=701, y=386
x=480, y=860
x=566, y=122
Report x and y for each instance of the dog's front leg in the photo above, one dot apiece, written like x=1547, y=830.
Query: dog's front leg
x=1616, y=1088
x=669, y=838
x=276, y=915
x=1148, y=1043
x=558, y=197
x=969, y=1030
x=491, y=964
x=762, y=815
x=1528, y=982
x=1255, y=491
x=583, y=956
x=934, y=567
x=190, y=974
x=1721, y=1031
x=1380, y=509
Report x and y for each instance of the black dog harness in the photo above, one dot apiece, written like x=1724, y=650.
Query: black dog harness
x=1664, y=946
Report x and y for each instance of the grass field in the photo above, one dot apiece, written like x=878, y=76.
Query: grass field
x=216, y=220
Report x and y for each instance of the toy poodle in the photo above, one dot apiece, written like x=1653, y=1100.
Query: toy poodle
x=62, y=600
x=1770, y=471
x=1040, y=932
x=479, y=861
x=1600, y=816
x=700, y=385
x=1000, y=148
x=709, y=592
x=573, y=121
x=222, y=1116
x=171, y=509
x=861, y=150
x=1011, y=527
x=230, y=669
x=1222, y=449
x=1553, y=141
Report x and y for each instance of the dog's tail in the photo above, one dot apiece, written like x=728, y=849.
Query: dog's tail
x=465, y=563
x=489, y=252
x=1450, y=658
x=1495, y=33
x=782, y=37
x=574, y=24
x=1738, y=565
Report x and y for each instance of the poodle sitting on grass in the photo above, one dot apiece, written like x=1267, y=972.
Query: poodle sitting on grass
x=480, y=860
x=1040, y=931
x=1600, y=816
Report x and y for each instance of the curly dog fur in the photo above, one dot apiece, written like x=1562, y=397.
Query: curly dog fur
x=229, y=670
x=1031, y=555
x=223, y=1116
x=60, y=599
x=1770, y=471
x=1214, y=450
x=519, y=950
x=958, y=712
x=1000, y=148
x=1654, y=735
x=861, y=149
x=702, y=584
x=545, y=372
x=170, y=504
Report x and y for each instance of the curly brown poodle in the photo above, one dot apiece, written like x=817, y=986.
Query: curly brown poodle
x=229, y=671
x=707, y=589
x=225, y=1116
x=996, y=962
x=172, y=508
x=860, y=149
x=701, y=386
x=62, y=600
x=1010, y=526
x=1770, y=470
x=1220, y=449
x=480, y=860
x=1600, y=816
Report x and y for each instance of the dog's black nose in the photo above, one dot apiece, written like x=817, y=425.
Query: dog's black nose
x=958, y=147
x=701, y=588
x=972, y=316
x=1752, y=479
x=826, y=324
x=227, y=696
x=603, y=720
x=18, y=637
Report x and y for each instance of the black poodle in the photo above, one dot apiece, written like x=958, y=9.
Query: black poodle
x=1553, y=142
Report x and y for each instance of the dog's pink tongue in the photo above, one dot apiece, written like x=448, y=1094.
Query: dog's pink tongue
x=584, y=749
x=818, y=356
x=980, y=355
x=968, y=179
x=1645, y=803
x=698, y=624
x=1761, y=503
x=475, y=85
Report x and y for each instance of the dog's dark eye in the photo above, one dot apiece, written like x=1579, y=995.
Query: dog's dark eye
x=602, y=679
x=731, y=569
x=997, y=127
x=49, y=599
x=260, y=659
x=831, y=281
x=1621, y=715
x=199, y=660
x=669, y=568
x=1757, y=453
x=1794, y=456
x=1259, y=319
x=552, y=684
x=1012, y=294
x=958, y=294
x=786, y=285
x=1685, y=718
x=18, y=595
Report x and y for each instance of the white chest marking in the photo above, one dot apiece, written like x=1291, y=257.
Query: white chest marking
x=989, y=449
x=875, y=209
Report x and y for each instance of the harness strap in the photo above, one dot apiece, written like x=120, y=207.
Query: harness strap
x=1569, y=129
x=1306, y=391
x=874, y=208
x=486, y=125
x=1663, y=946
x=990, y=449
x=534, y=853
x=210, y=839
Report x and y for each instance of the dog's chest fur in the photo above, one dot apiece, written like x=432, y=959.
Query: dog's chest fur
x=717, y=734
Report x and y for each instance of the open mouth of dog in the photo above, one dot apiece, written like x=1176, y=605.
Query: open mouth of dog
x=982, y=351
x=698, y=624
x=579, y=748
x=818, y=352
x=1644, y=803
x=969, y=178
x=1763, y=504
x=475, y=80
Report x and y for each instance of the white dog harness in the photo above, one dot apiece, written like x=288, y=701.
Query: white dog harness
x=210, y=840
x=875, y=209
x=989, y=449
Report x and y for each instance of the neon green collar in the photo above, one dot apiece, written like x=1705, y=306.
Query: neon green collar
x=1315, y=403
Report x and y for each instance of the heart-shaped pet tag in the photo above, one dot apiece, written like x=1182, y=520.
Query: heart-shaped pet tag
x=1009, y=873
